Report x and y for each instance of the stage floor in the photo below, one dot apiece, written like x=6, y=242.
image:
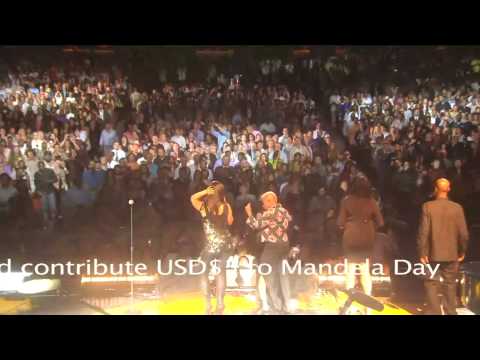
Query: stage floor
x=188, y=303
x=193, y=303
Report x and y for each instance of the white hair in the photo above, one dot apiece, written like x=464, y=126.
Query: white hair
x=269, y=194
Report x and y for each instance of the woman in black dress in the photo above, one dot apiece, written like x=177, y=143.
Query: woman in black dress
x=217, y=216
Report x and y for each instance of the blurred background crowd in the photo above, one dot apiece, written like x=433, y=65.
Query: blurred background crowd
x=83, y=130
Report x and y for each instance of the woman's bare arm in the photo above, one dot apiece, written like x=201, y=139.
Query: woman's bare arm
x=229, y=214
x=196, y=198
x=377, y=215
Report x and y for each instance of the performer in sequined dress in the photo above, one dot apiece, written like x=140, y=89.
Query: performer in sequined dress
x=217, y=216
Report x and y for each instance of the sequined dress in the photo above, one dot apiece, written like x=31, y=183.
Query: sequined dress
x=217, y=235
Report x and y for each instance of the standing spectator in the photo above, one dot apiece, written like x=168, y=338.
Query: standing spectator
x=7, y=196
x=221, y=133
x=118, y=153
x=179, y=139
x=225, y=174
x=45, y=179
x=93, y=178
x=268, y=127
x=319, y=207
x=107, y=138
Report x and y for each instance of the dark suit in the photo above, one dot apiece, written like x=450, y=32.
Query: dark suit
x=443, y=238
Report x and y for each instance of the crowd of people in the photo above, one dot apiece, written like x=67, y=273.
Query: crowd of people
x=75, y=138
x=408, y=139
x=72, y=140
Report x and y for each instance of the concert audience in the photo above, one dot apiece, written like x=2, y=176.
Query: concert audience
x=80, y=138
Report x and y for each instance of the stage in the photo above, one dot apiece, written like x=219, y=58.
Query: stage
x=170, y=296
x=174, y=295
x=242, y=304
x=190, y=303
x=180, y=304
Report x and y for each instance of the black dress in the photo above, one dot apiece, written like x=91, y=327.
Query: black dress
x=216, y=250
x=217, y=235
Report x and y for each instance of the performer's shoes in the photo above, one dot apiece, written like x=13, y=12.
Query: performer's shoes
x=288, y=311
x=268, y=312
x=262, y=311
x=273, y=312
x=208, y=310
x=219, y=310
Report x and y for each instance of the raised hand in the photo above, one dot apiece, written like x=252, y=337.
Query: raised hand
x=210, y=190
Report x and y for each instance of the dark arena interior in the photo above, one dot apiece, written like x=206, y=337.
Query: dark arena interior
x=104, y=149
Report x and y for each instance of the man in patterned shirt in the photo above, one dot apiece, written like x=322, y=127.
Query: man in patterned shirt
x=273, y=226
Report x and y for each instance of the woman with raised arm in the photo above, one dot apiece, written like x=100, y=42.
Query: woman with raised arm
x=217, y=216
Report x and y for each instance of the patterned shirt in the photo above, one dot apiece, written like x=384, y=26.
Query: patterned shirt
x=272, y=223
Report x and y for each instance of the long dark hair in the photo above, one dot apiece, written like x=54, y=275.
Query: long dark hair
x=213, y=202
x=361, y=188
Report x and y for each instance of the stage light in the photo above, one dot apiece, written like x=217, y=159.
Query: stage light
x=12, y=281
x=38, y=286
x=293, y=304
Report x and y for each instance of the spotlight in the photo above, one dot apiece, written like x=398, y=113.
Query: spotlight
x=17, y=282
x=12, y=281
x=38, y=286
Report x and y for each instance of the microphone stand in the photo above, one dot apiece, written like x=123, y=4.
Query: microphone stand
x=361, y=298
x=131, y=202
x=346, y=306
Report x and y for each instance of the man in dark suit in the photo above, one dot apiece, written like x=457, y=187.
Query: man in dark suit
x=442, y=239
